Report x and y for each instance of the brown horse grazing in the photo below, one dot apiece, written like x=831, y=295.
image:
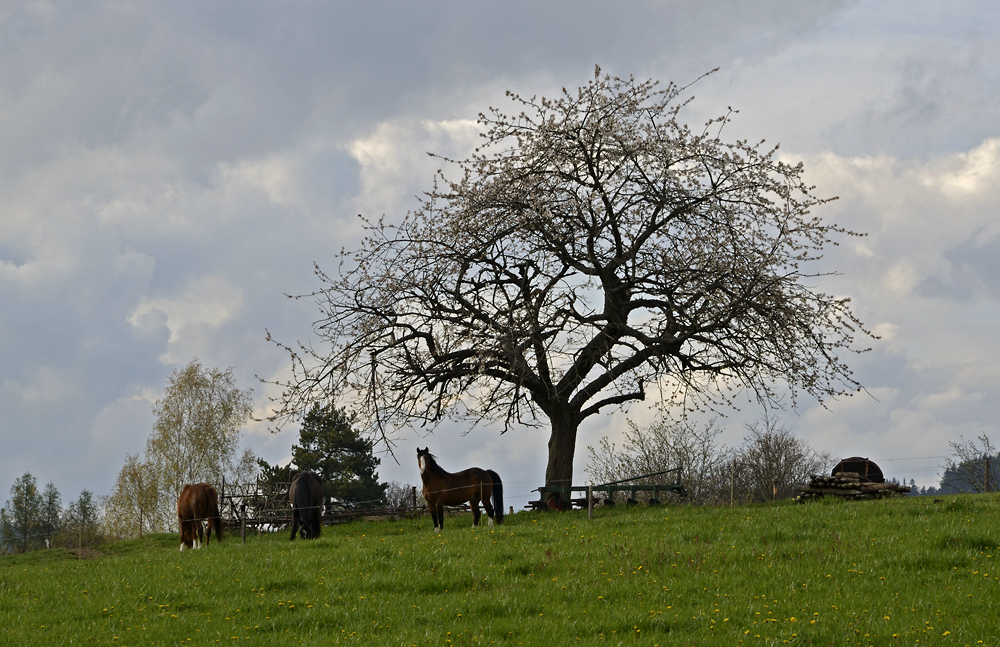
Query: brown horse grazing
x=198, y=504
x=306, y=497
x=443, y=488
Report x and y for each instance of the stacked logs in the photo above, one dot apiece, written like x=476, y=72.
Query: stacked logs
x=848, y=485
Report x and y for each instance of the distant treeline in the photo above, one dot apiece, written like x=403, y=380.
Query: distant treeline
x=35, y=518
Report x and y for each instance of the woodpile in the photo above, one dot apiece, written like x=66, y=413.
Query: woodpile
x=848, y=485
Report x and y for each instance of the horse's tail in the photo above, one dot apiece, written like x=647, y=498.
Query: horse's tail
x=306, y=520
x=497, y=495
x=213, y=510
x=217, y=522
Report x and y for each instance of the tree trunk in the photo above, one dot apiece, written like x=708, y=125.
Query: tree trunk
x=562, y=447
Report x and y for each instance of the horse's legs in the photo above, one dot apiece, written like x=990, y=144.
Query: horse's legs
x=315, y=526
x=201, y=533
x=295, y=523
x=437, y=514
x=474, y=504
x=490, y=513
x=208, y=532
x=188, y=534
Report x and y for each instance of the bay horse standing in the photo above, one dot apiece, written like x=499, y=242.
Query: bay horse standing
x=198, y=506
x=443, y=488
x=306, y=497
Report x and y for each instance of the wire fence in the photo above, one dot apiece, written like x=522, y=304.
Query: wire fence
x=267, y=505
x=266, y=508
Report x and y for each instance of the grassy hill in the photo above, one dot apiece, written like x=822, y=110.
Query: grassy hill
x=903, y=571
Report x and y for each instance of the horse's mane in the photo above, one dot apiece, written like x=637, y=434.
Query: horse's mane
x=432, y=464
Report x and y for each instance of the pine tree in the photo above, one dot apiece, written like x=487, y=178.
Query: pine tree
x=329, y=446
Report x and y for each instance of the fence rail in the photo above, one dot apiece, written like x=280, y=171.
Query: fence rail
x=260, y=505
x=564, y=493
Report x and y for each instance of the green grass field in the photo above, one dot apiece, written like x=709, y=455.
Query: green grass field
x=903, y=571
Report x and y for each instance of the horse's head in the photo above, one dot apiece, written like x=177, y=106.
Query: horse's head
x=424, y=458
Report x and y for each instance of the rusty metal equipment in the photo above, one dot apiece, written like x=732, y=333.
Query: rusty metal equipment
x=865, y=468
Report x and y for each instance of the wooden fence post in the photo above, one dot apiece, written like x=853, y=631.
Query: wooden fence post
x=590, y=501
x=732, y=482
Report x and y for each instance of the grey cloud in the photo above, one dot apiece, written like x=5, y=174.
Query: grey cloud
x=973, y=273
x=150, y=150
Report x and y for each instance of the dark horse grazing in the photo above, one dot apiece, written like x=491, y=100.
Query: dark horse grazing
x=306, y=497
x=198, y=504
x=443, y=488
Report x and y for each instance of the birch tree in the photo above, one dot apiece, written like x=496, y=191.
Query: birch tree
x=133, y=507
x=195, y=438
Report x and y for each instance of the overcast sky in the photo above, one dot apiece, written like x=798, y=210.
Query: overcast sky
x=169, y=171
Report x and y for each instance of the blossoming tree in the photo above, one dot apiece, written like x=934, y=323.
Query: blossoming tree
x=593, y=250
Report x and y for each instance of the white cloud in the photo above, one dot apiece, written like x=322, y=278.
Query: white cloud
x=123, y=424
x=949, y=399
x=888, y=334
x=969, y=174
x=46, y=387
x=395, y=164
x=202, y=307
x=901, y=279
x=274, y=177
x=915, y=212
